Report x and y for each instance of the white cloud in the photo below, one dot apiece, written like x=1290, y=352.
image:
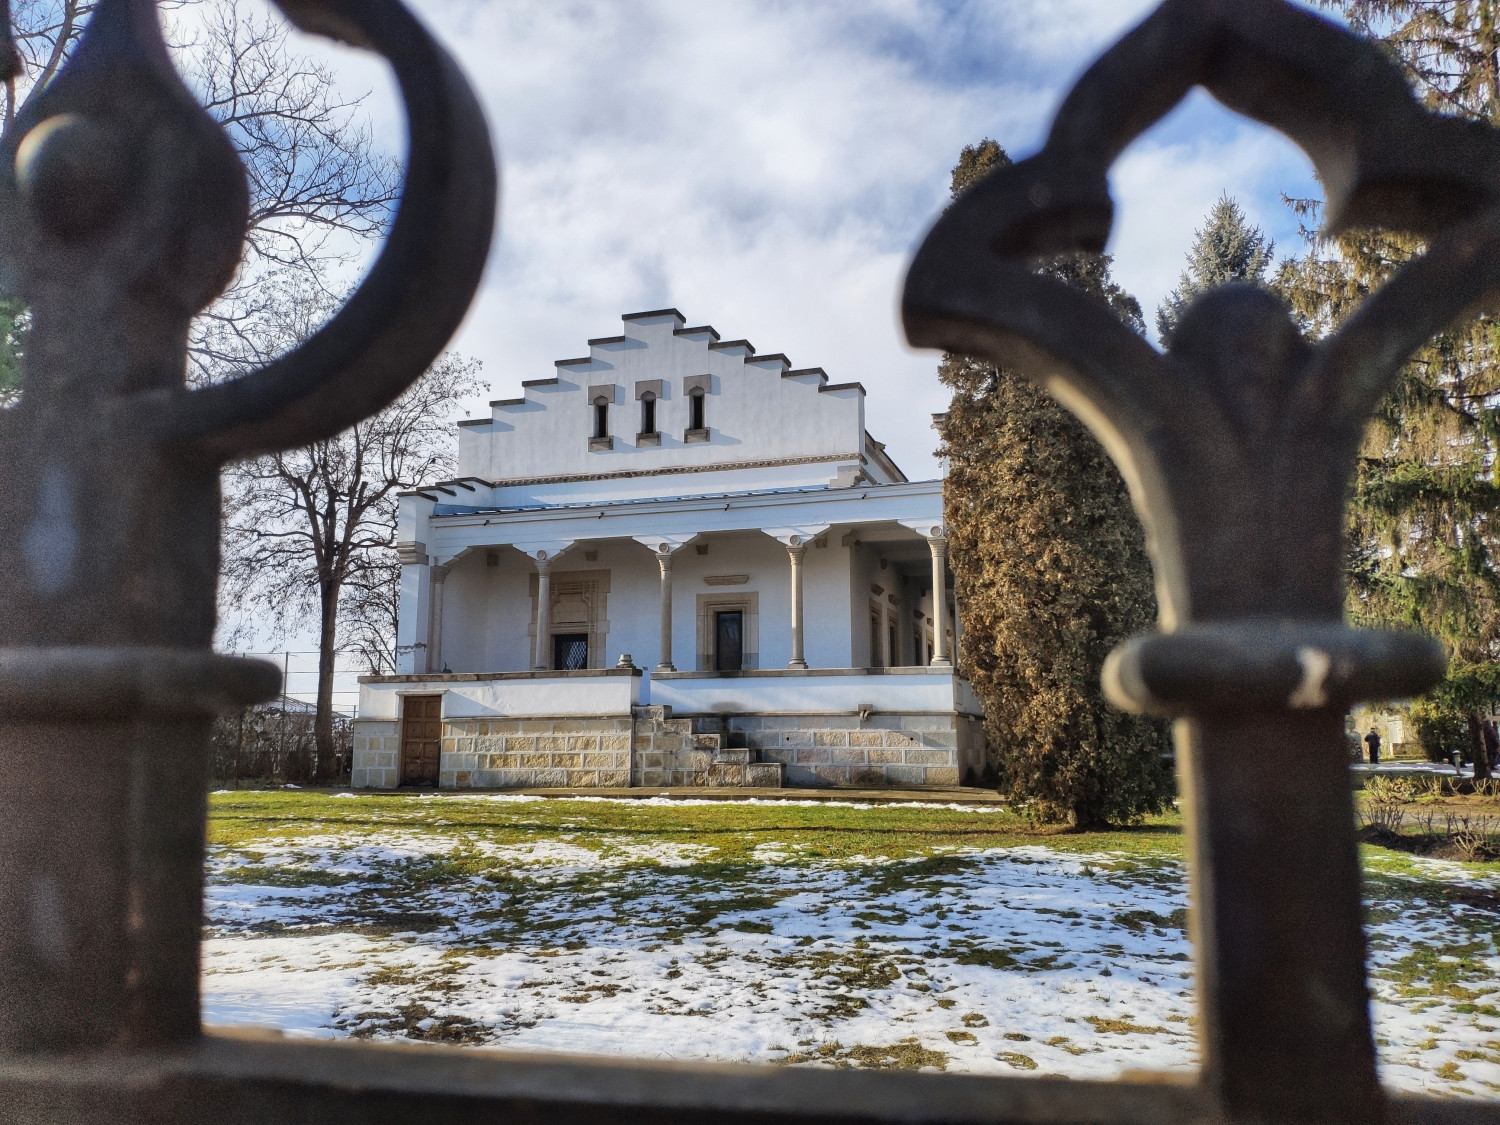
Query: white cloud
x=768, y=166
x=1165, y=183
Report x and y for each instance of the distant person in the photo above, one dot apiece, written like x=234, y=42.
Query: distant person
x=1491, y=738
x=1372, y=740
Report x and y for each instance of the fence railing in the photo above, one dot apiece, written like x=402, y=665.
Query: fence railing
x=122, y=211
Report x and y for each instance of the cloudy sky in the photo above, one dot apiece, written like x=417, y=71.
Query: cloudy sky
x=767, y=166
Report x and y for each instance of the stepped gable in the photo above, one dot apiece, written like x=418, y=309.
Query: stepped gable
x=715, y=404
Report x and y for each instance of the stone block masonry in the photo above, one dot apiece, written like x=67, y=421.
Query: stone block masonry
x=651, y=748
x=566, y=752
x=881, y=750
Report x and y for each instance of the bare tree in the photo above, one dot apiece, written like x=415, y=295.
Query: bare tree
x=319, y=189
x=44, y=32
x=314, y=530
x=319, y=192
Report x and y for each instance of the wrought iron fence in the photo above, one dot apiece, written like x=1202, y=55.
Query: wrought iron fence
x=122, y=210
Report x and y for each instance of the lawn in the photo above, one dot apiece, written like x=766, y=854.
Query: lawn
x=822, y=933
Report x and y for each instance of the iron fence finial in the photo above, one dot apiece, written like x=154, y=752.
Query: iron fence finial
x=123, y=211
x=1238, y=445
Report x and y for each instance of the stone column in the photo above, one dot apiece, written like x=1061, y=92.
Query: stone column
x=938, y=545
x=543, y=650
x=664, y=560
x=795, y=550
x=435, y=627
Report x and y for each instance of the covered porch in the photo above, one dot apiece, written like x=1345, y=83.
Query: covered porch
x=814, y=629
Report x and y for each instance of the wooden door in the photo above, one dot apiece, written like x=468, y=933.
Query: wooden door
x=421, y=739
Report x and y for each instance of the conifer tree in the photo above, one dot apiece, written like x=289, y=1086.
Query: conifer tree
x=1225, y=249
x=1426, y=499
x=14, y=322
x=1051, y=573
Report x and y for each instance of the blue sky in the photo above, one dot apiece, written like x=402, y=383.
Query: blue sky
x=767, y=166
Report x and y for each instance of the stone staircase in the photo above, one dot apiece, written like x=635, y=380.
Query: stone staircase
x=681, y=753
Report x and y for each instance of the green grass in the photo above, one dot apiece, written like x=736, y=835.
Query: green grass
x=731, y=832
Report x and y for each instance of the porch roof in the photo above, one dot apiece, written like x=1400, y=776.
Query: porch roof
x=456, y=528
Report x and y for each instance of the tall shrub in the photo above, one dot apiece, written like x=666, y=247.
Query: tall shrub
x=1051, y=571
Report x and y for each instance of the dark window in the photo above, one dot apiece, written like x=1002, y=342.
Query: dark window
x=570, y=651
x=601, y=417
x=895, y=652
x=729, y=640
x=875, y=656
x=648, y=413
x=695, y=411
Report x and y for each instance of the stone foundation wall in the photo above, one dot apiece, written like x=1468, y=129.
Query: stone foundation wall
x=561, y=753
x=377, y=754
x=672, y=753
x=885, y=749
x=658, y=750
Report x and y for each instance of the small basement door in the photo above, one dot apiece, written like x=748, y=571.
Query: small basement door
x=421, y=738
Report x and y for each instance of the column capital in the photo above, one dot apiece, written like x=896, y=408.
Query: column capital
x=440, y=571
x=664, y=544
x=544, y=551
x=929, y=529
x=796, y=536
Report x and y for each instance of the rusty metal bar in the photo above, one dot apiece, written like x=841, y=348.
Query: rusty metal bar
x=122, y=213
x=123, y=210
x=1238, y=445
x=242, y=1082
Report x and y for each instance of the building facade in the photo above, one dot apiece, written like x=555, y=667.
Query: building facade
x=675, y=562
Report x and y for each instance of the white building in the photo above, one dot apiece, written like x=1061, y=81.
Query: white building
x=675, y=562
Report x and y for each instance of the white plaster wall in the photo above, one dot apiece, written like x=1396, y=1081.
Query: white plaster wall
x=753, y=411
x=825, y=585
x=412, y=620
x=968, y=702
x=633, y=608
x=541, y=697
x=827, y=636
x=779, y=695
x=864, y=572
x=487, y=609
x=819, y=474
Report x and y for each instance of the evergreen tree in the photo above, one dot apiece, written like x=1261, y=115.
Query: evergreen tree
x=1426, y=498
x=1225, y=249
x=14, y=321
x=1051, y=572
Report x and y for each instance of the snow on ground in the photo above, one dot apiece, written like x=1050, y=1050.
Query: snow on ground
x=975, y=960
